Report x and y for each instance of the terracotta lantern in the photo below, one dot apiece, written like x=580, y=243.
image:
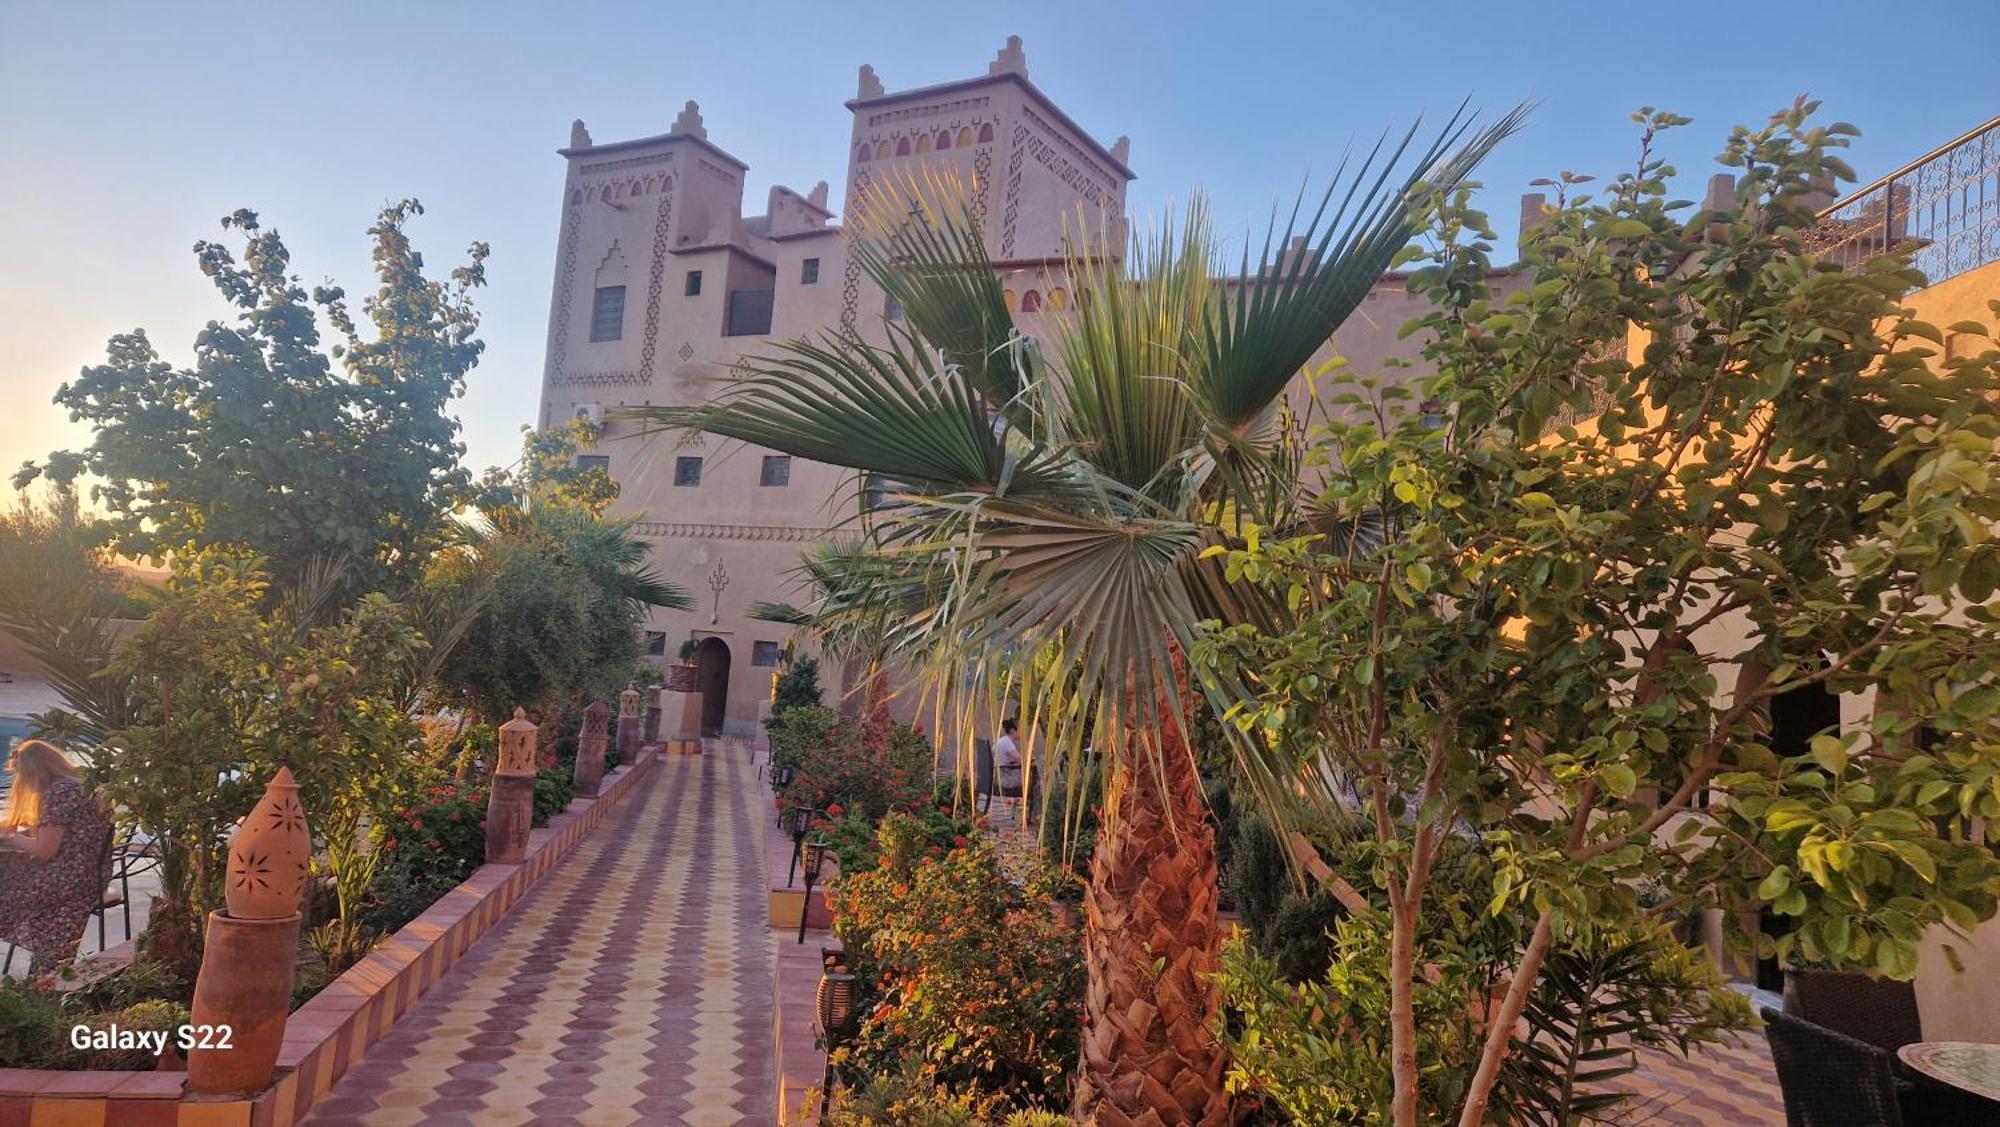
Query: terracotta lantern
x=517, y=746
x=628, y=703
x=269, y=856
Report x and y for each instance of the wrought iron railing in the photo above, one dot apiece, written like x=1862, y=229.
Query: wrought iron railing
x=1947, y=203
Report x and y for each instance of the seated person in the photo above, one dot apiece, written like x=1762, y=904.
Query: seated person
x=52, y=839
x=1007, y=760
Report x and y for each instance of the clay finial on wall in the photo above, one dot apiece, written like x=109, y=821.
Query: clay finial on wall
x=517, y=746
x=688, y=124
x=817, y=197
x=1011, y=59
x=870, y=86
x=269, y=855
x=579, y=137
x=1121, y=149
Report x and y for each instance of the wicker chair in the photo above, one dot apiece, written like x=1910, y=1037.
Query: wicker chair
x=1830, y=1079
x=1880, y=1011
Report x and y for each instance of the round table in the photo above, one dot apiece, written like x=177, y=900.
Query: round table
x=1968, y=1066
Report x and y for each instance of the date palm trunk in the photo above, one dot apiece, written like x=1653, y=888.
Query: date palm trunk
x=1150, y=1056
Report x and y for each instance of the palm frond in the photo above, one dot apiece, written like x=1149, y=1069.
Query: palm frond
x=783, y=613
x=1309, y=278
x=915, y=236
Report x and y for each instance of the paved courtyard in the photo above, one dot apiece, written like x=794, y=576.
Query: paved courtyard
x=633, y=985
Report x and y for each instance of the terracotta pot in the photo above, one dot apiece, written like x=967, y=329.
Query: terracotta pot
x=270, y=855
x=246, y=984
x=631, y=730
x=517, y=746
x=510, y=812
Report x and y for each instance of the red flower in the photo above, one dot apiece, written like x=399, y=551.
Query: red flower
x=959, y=841
x=835, y=810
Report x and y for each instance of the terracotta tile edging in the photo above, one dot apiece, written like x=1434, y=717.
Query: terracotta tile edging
x=798, y=1064
x=328, y=1034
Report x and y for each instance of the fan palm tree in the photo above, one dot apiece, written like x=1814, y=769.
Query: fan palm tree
x=1059, y=509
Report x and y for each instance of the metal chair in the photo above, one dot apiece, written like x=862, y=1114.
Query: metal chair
x=1830, y=1079
x=1880, y=1011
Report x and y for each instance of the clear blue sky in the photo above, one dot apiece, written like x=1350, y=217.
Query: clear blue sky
x=127, y=129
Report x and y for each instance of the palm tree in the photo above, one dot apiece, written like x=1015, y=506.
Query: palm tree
x=1059, y=509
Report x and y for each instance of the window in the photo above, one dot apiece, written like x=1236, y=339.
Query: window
x=777, y=470
x=693, y=283
x=687, y=471
x=809, y=272
x=892, y=309
x=656, y=643
x=588, y=462
x=766, y=653
x=749, y=313
x=607, y=313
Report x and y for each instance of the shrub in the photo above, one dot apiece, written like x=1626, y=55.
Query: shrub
x=35, y=1024
x=444, y=831
x=798, y=732
x=933, y=829
x=963, y=981
x=554, y=787
x=797, y=687
x=1286, y=923
x=906, y=1099
x=840, y=771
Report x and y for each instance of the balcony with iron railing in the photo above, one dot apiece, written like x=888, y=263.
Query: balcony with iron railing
x=1946, y=203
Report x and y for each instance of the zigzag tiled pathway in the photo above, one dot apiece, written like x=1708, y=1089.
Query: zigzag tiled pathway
x=632, y=986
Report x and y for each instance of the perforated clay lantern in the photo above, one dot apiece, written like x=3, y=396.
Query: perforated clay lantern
x=270, y=855
x=517, y=746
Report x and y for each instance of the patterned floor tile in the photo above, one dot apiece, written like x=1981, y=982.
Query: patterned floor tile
x=610, y=994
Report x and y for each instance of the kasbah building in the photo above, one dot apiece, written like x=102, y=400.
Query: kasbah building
x=663, y=286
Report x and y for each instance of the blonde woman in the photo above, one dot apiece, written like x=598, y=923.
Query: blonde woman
x=52, y=839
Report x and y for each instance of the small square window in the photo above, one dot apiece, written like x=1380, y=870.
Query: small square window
x=687, y=471
x=809, y=272
x=656, y=643
x=693, y=283
x=594, y=462
x=766, y=653
x=892, y=309
x=607, y=313
x=777, y=470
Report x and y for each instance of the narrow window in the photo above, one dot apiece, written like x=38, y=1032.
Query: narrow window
x=607, y=313
x=892, y=309
x=656, y=643
x=687, y=471
x=600, y=462
x=765, y=653
x=693, y=283
x=809, y=272
x=777, y=470
x=749, y=313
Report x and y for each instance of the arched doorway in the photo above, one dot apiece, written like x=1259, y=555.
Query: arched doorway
x=711, y=677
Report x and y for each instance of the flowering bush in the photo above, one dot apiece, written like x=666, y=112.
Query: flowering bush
x=445, y=830
x=966, y=983
x=935, y=827
x=840, y=771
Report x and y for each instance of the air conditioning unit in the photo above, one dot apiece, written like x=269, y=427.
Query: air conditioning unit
x=591, y=414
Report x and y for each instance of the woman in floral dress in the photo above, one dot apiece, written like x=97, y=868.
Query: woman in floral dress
x=52, y=839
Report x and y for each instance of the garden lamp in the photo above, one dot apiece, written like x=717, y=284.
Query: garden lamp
x=815, y=861
x=834, y=1006
x=802, y=817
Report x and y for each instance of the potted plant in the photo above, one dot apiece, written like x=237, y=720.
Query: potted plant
x=680, y=678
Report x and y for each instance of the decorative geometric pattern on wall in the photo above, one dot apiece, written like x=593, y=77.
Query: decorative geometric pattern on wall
x=982, y=173
x=665, y=530
x=1013, y=211
x=686, y=353
x=850, y=275
x=598, y=379
x=565, y=285
x=663, y=219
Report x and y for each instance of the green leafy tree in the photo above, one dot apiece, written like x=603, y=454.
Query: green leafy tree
x=272, y=442
x=1029, y=506
x=224, y=694
x=1681, y=470
x=562, y=591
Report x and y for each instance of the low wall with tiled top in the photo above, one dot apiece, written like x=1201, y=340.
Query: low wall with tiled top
x=329, y=1034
